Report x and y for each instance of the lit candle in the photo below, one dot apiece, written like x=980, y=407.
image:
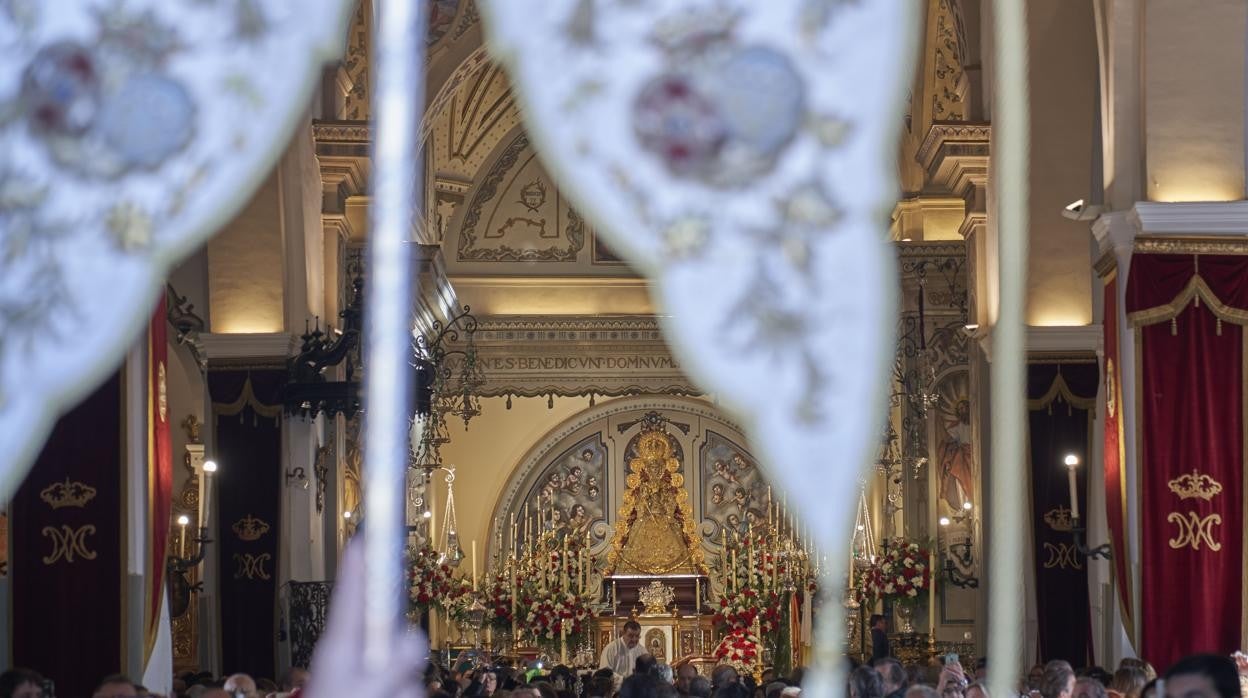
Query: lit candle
x=210, y=468
x=199, y=513
x=1072, y=462
x=183, y=520
x=770, y=518
x=749, y=575
x=931, y=593
x=526, y=523
x=563, y=642
x=697, y=594
x=563, y=567
x=734, y=569
x=474, y=564
x=613, y=594
x=513, y=600
x=515, y=543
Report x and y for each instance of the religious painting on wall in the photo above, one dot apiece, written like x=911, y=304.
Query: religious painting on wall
x=734, y=494
x=518, y=215
x=571, y=491
x=955, y=457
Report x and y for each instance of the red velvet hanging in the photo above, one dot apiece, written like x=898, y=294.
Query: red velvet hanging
x=1191, y=450
x=1115, y=458
x=160, y=471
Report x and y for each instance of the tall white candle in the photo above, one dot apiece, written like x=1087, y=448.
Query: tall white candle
x=1071, y=464
x=205, y=514
x=474, y=564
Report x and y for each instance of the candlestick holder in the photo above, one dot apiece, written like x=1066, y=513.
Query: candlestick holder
x=1100, y=552
x=176, y=567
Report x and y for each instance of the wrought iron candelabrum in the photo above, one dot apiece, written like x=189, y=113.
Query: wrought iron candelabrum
x=177, y=567
x=1099, y=552
x=308, y=392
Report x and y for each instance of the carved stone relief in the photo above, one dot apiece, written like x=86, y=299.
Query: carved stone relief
x=571, y=489
x=733, y=492
x=946, y=64
x=517, y=214
x=356, y=63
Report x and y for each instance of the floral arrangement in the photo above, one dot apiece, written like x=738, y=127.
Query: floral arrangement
x=899, y=575
x=738, y=609
x=459, y=596
x=548, y=614
x=739, y=648
x=498, y=601
x=429, y=579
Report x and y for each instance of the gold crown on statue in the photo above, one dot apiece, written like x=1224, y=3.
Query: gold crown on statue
x=656, y=597
x=67, y=494
x=1058, y=519
x=250, y=528
x=1195, y=484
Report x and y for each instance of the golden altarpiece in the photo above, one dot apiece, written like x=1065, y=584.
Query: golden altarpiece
x=655, y=567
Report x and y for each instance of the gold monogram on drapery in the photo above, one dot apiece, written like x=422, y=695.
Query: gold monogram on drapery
x=1194, y=529
x=251, y=566
x=1062, y=556
x=69, y=543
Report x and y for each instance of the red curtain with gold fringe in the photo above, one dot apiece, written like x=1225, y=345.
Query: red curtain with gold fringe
x=1115, y=457
x=1188, y=313
x=160, y=470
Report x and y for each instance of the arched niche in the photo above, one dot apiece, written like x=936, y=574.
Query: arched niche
x=583, y=462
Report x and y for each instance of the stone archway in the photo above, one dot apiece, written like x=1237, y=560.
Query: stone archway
x=582, y=463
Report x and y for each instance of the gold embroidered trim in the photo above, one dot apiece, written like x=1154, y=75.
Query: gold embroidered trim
x=1196, y=288
x=1059, y=388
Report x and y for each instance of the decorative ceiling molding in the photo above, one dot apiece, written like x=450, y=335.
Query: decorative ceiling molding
x=253, y=345
x=1083, y=338
x=1193, y=245
x=955, y=156
x=576, y=356
x=1199, y=218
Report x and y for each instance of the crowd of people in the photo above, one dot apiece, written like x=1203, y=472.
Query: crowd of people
x=24, y=683
x=340, y=669
x=1198, y=676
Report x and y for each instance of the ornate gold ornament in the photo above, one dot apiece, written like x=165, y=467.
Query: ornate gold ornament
x=162, y=393
x=1195, y=484
x=1111, y=393
x=657, y=597
x=191, y=426
x=67, y=494
x=1062, y=556
x=251, y=566
x=1193, y=528
x=655, y=533
x=249, y=528
x=68, y=542
x=1058, y=519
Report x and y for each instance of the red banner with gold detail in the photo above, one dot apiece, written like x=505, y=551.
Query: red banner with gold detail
x=159, y=469
x=1188, y=313
x=1115, y=456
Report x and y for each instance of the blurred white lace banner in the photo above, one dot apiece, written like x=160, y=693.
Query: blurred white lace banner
x=130, y=132
x=743, y=154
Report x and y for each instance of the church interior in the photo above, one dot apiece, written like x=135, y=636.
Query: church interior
x=571, y=476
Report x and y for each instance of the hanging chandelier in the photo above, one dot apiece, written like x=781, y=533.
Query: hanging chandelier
x=449, y=378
